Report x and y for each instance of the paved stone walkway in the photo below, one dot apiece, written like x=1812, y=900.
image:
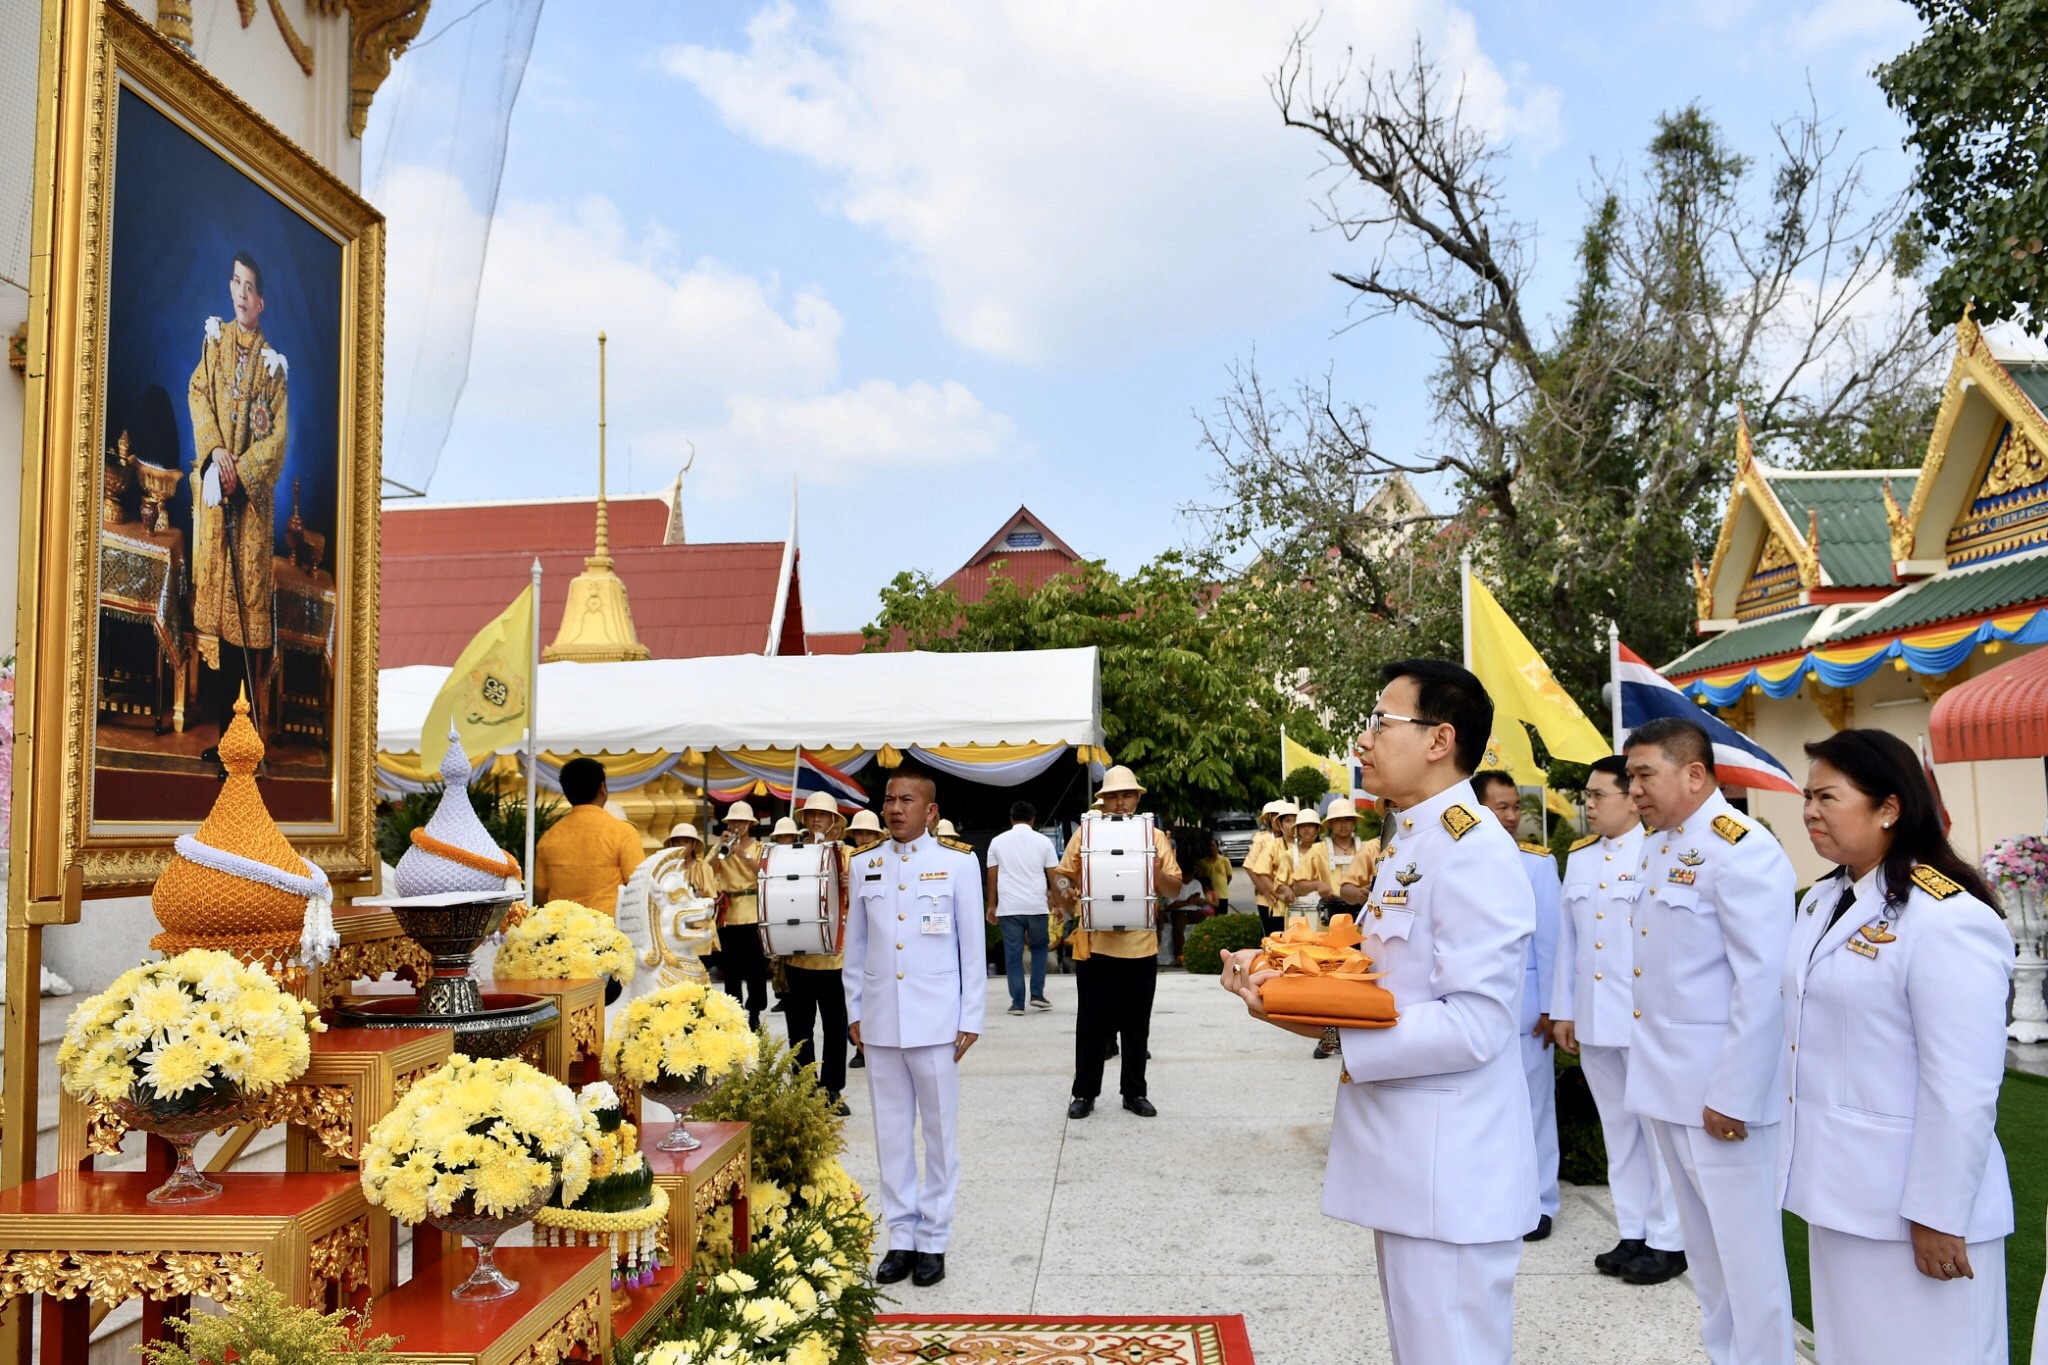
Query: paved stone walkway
x=1213, y=1207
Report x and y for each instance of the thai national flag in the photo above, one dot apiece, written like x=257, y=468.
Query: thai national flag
x=1646, y=693
x=815, y=775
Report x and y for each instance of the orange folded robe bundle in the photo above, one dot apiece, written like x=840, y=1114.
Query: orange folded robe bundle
x=1324, y=979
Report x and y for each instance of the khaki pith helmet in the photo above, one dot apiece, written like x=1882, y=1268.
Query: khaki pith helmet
x=1340, y=809
x=1121, y=779
x=685, y=831
x=739, y=810
x=820, y=801
x=865, y=821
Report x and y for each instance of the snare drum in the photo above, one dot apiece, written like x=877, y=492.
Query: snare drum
x=800, y=902
x=1118, y=863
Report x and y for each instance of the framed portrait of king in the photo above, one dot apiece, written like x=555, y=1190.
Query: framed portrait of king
x=209, y=469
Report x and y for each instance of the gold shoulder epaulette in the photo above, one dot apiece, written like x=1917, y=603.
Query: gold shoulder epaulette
x=1460, y=821
x=1935, y=884
x=957, y=845
x=1730, y=828
x=1527, y=847
x=1589, y=839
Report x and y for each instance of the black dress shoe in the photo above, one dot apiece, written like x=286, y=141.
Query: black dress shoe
x=895, y=1266
x=1654, y=1267
x=1626, y=1250
x=931, y=1268
x=1322, y=1054
x=1080, y=1108
x=1540, y=1231
x=860, y=1059
x=1140, y=1106
x=837, y=1104
x=1111, y=1050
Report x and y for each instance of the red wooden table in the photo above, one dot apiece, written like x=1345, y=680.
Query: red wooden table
x=718, y=1172
x=83, y=1236
x=563, y=1308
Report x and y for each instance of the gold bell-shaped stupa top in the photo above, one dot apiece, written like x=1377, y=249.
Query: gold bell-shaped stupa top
x=597, y=621
x=203, y=907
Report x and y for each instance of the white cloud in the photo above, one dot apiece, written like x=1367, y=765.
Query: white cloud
x=1075, y=178
x=699, y=355
x=1884, y=26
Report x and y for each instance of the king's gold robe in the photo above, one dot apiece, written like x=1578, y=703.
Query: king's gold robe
x=238, y=405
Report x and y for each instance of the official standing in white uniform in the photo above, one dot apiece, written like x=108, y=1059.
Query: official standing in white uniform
x=915, y=976
x=1713, y=914
x=1431, y=1145
x=1592, y=1002
x=1504, y=799
x=1895, y=992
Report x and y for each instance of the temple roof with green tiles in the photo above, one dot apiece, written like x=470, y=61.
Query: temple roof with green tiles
x=1765, y=639
x=1955, y=596
x=1854, y=534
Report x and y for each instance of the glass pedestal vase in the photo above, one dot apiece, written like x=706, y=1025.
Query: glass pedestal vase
x=486, y=1282
x=182, y=1122
x=679, y=1094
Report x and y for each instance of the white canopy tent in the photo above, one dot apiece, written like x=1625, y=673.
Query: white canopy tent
x=995, y=714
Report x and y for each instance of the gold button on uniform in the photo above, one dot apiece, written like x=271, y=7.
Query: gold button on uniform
x=1639, y=971
x=899, y=915
x=1598, y=977
x=1598, y=946
x=1603, y=886
x=1600, y=914
x=899, y=976
x=901, y=887
x=1639, y=1014
x=899, y=947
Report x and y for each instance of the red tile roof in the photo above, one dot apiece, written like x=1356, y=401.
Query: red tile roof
x=836, y=642
x=1026, y=568
x=446, y=573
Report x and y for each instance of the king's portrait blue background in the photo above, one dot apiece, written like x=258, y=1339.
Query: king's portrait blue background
x=181, y=211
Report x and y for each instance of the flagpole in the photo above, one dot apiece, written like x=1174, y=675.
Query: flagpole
x=532, y=727
x=1283, y=755
x=1465, y=604
x=1614, y=681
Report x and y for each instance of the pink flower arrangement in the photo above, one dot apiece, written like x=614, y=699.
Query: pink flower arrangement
x=2021, y=861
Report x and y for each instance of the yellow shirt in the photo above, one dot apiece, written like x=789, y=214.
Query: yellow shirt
x=1276, y=860
x=587, y=858
x=1365, y=857
x=1137, y=943
x=738, y=874
x=1215, y=873
x=1312, y=864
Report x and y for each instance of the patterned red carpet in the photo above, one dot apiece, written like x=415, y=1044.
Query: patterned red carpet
x=1080, y=1339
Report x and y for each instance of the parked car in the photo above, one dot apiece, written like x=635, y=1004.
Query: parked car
x=1234, y=831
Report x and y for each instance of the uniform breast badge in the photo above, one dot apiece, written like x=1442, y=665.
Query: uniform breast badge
x=1857, y=945
x=1460, y=821
x=1393, y=899
x=1691, y=857
x=1680, y=876
x=1879, y=931
x=1408, y=876
x=1730, y=828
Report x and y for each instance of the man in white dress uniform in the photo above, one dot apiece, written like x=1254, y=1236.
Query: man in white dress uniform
x=1591, y=1008
x=1504, y=799
x=1431, y=1145
x=915, y=977
x=1713, y=914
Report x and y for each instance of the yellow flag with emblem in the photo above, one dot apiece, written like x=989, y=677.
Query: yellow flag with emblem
x=1335, y=771
x=1523, y=690
x=488, y=692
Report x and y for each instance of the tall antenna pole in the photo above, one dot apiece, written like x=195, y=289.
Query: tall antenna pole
x=604, y=549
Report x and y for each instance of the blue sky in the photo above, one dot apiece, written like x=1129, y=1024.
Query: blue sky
x=937, y=260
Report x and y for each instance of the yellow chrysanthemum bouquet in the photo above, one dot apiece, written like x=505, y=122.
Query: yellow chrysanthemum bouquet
x=475, y=1148
x=679, y=1045
x=564, y=941
x=176, y=1048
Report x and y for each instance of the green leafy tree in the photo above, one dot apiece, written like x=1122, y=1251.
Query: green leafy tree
x=1184, y=700
x=1305, y=785
x=1974, y=93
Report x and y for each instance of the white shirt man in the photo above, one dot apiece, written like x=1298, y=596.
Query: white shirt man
x=1713, y=914
x=1020, y=861
x=1592, y=1003
x=915, y=982
x=1431, y=1145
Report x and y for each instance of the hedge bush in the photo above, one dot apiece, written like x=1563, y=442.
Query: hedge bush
x=1208, y=941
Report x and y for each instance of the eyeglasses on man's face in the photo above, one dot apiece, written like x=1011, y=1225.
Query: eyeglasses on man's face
x=1377, y=721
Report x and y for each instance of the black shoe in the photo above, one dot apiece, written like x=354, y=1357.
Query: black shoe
x=1654, y=1267
x=931, y=1268
x=1039, y=1002
x=1323, y=1054
x=1540, y=1231
x=775, y=1008
x=1111, y=1050
x=1140, y=1106
x=1626, y=1250
x=860, y=1059
x=1080, y=1108
x=895, y=1266
x=838, y=1107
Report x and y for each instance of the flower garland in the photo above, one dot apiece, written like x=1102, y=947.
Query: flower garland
x=564, y=941
x=317, y=939
x=497, y=1132
x=680, y=1032
x=198, y=1020
x=621, y=1205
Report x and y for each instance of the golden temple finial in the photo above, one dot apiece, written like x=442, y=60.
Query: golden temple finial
x=1900, y=525
x=597, y=620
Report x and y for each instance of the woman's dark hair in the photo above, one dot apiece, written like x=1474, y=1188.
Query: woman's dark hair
x=1878, y=764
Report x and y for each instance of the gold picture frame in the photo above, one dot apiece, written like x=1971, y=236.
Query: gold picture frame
x=107, y=58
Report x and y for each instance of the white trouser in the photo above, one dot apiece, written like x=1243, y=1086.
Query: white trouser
x=1541, y=1072
x=1448, y=1303
x=1635, y=1173
x=1872, y=1306
x=907, y=1085
x=1727, y=1197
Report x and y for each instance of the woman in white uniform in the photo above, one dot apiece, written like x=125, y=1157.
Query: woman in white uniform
x=1895, y=985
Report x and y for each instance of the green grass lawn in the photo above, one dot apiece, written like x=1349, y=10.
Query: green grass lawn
x=2023, y=1131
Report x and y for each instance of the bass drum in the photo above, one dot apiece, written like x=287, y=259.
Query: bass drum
x=801, y=906
x=1118, y=890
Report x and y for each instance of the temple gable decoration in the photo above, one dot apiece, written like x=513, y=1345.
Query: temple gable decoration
x=1983, y=490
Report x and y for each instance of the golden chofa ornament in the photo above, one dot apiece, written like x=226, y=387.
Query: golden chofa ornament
x=237, y=884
